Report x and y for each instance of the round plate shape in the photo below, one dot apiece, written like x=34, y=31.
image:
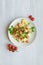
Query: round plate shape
x=32, y=36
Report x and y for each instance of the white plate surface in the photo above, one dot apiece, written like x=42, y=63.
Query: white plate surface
x=32, y=36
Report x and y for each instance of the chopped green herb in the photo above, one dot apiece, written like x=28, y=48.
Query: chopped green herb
x=22, y=41
x=26, y=32
x=17, y=39
x=24, y=35
x=28, y=23
x=32, y=29
x=21, y=28
x=11, y=30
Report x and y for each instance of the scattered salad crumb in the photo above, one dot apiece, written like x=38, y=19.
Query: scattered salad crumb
x=31, y=17
x=12, y=48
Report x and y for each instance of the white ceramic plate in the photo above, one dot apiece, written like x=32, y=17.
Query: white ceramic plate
x=32, y=37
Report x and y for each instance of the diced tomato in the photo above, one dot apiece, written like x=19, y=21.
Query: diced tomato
x=14, y=32
x=27, y=28
x=22, y=30
x=18, y=24
x=12, y=48
x=30, y=16
x=21, y=38
x=16, y=48
x=27, y=41
x=9, y=45
x=16, y=36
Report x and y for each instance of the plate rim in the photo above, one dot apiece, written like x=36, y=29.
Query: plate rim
x=17, y=41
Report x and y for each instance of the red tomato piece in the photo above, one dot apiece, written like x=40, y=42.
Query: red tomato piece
x=21, y=38
x=16, y=48
x=18, y=24
x=16, y=36
x=30, y=16
x=27, y=41
x=22, y=30
x=12, y=48
x=9, y=45
x=15, y=32
x=27, y=28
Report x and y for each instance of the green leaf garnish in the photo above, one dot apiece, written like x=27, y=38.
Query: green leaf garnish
x=11, y=30
x=32, y=29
